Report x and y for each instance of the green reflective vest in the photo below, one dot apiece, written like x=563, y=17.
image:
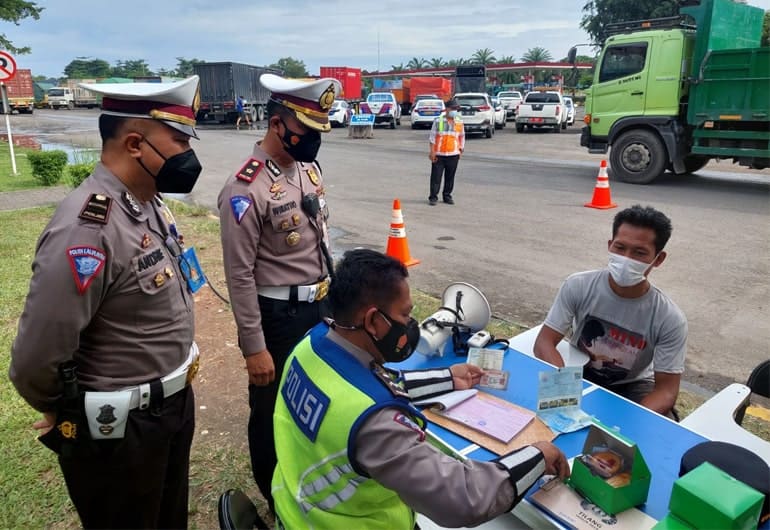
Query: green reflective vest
x=325, y=396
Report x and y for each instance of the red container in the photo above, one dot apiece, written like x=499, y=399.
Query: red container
x=350, y=78
x=440, y=86
x=21, y=85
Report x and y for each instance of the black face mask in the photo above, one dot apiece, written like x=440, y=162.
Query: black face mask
x=301, y=147
x=400, y=341
x=178, y=173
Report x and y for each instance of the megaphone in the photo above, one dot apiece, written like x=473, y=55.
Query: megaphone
x=463, y=308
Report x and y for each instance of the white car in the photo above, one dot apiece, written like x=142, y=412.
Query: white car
x=570, y=106
x=384, y=107
x=425, y=111
x=499, y=113
x=477, y=113
x=340, y=113
x=510, y=100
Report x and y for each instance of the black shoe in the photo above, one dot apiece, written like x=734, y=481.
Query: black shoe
x=432, y=202
x=449, y=200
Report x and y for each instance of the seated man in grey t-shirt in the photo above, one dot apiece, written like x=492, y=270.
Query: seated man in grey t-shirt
x=634, y=334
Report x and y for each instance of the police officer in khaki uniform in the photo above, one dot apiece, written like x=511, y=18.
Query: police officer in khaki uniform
x=276, y=249
x=352, y=450
x=109, y=296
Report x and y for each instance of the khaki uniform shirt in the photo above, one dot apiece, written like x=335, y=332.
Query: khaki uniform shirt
x=107, y=294
x=267, y=239
x=446, y=490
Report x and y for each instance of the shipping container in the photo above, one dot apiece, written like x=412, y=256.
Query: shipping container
x=350, y=78
x=21, y=92
x=440, y=86
x=222, y=82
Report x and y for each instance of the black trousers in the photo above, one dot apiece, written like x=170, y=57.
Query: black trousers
x=140, y=481
x=448, y=166
x=284, y=324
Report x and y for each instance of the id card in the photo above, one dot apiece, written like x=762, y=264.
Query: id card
x=496, y=379
x=191, y=270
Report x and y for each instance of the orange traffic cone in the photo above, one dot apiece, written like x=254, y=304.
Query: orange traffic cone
x=398, y=246
x=602, y=198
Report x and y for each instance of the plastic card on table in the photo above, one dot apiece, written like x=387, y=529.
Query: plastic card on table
x=559, y=395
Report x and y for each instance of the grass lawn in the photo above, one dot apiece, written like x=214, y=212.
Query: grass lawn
x=24, y=180
x=33, y=491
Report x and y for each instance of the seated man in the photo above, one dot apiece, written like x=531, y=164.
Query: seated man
x=634, y=334
x=352, y=450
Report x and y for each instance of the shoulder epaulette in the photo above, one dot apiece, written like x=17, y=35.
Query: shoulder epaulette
x=250, y=170
x=97, y=209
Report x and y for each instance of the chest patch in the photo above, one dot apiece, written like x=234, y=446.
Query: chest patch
x=240, y=205
x=306, y=402
x=250, y=170
x=85, y=262
x=283, y=208
x=148, y=260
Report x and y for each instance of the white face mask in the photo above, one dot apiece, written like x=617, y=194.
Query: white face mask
x=626, y=271
x=451, y=113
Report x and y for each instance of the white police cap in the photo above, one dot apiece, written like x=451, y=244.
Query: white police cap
x=310, y=100
x=175, y=104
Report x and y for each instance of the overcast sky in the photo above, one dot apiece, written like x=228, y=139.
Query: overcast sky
x=359, y=33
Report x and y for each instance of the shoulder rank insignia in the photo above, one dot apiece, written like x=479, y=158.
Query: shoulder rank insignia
x=250, y=170
x=240, y=205
x=313, y=176
x=85, y=262
x=391, y=380
x=133, y=206
x=273, y=167
x=97, y=209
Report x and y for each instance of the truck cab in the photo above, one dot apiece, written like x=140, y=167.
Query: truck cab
x=61, y=97
x=673, y=93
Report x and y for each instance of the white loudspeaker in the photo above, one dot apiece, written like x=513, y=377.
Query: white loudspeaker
x=463, y=306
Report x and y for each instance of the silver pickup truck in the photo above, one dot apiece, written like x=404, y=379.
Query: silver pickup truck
x=542, y=109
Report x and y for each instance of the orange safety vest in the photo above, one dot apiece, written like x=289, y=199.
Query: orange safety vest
x=448, y=142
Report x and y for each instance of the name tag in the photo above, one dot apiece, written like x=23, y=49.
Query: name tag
x=305, y=401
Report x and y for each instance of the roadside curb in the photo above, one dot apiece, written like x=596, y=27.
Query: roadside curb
x=31, y=198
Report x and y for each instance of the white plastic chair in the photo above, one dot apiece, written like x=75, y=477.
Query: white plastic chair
x=525, y=343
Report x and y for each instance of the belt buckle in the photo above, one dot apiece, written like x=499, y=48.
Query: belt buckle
x=322, y=289
x=192, y=370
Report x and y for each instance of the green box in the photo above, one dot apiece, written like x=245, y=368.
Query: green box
x=670, y=522
x=707, y=497
x=594, y=487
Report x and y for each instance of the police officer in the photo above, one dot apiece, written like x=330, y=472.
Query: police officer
x=351, y=448
x=109, y=295
x=275, y=243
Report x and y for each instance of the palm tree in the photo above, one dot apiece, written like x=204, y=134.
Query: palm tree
x=436, y=62
x=537, y=55
x=415, y=63
x=397, y=67
x=484, y=56
x=506, y=59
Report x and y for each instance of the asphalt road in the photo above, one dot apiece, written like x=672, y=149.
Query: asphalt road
x=519, y=226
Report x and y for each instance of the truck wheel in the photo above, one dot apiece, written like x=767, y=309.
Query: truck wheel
x=393, y=123
x=637, y=156
x=260, y=113
x=398, y=122
x=564, y=125
x=253, y=114
x=70, y=105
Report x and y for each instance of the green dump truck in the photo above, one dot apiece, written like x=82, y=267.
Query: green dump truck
x=674, y=93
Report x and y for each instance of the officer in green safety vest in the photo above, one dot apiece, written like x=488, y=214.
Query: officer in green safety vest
x=352, y=449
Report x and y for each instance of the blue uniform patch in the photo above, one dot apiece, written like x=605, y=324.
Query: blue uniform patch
x=305, y=401
x=240, y=206
x=86, y=262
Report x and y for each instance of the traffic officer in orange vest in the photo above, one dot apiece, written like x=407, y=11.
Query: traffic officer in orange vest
x=447, y=141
